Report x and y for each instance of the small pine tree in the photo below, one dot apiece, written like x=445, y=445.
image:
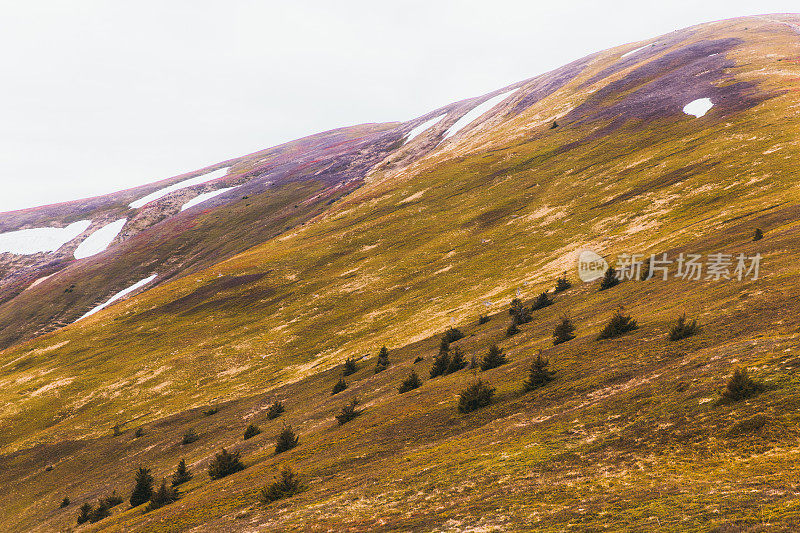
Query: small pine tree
x=287, y=484
x=452, y=334
x=339, y=386
x=85, y=513
x=554, y=125
x=444, y=345
x=542, y=301
x=457, y=361
x=512, y=330
x=519, y=313
x=619, y=324
x=758, y=235
x=143, y=488
x=494, y=358
x=251, y=431
x=224, y=464
x=182, y=474
x=477, y=395
x=211, y=411
x=100, y=512
x=348, y=412
x=538, y=375
x=350, y=367
x=562, y=284
x=564, y=331
x=645, y=275
x=116, y=431
x=741, y=386
x=64, y=503
x=287, y=439
x=383, y=360
x=139, y=432
x=610, y=279
x=419, y=359
x=190, y=436
x=410, y=383
x=683, y=329
x=163, y=496
x=483, y=319
x=440, y=364
x=275, y=410
x=113, y=499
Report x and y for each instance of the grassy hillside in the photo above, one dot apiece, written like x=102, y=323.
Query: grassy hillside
x=629, y=435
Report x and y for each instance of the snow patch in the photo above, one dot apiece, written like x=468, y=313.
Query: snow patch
x=35, y=240
x=424, y=126
x=698, y=107
x=99, y=240
x=626, y=54
x=120, y=294
x=200, y=198
x=476, y=112
x=197, y=180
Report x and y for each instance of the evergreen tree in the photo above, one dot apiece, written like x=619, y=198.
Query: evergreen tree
x=477, y=395
x=683, y=329
x=287, y=439
x=565, y=331
x=494, y=358
x=275, y=410
x=64, y=503
x=287, y=484
x=609, y=279
x=741, y=386
x=350, y=367
x=182, y=474
x=456, y=362
x=440, y=364
x=562, y=284
x=542, y=301
x=618, y=325
x=410, y=383
x=225, y=464
x=645, y=275
x=143, y=489
x=190, y=436
x=100, y=512
x=538, y=375
x=383, y=360
x=444, y=344
x=251, y=431
x=483, y=319
x=163, y=496
x=519, y=313
x=452, y=334
x=85, y=513
x=758, y=235
x=339, y=386
x=512, y=330
x=348, y=412
x=113, y=499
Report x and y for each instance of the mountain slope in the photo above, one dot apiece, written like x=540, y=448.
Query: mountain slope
x=598, y=154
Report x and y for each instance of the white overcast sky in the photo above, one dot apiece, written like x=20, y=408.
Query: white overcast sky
x=97, y=96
